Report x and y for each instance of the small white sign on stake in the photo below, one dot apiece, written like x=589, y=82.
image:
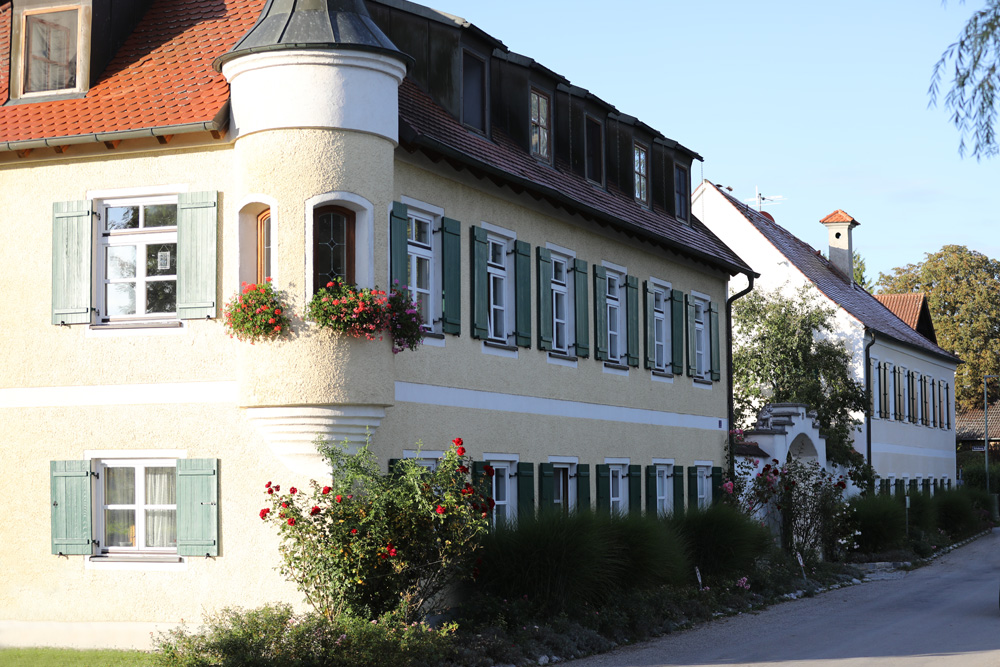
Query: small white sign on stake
x=697, y=573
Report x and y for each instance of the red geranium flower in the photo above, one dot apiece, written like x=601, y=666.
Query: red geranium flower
x=284, y=504
x=326, y=490
x=293, y=490
x=264, y=512
x=276, y=487
x=291, y=522
x=354, y=531
x=338, y=498
x=270, y=491
x=267, y=486
x=440, y=510
x=314, y=511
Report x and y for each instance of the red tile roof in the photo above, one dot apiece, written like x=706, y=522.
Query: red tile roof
x=838, y=288
x=839, y=216
x=969, y=425
x=6, y=12
x=905, y=306
x=425, y=125
x=161, y=77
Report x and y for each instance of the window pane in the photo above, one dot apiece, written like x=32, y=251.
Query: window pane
x=119, y=486
x=161, y=259
x=122, y=217
x=500, y=485
x=161, y=296
x=474, y=92
x=119, y=528
x=496, y=253
x=161, y=528
x=330, y=247
x=558, y=271
x=161, y=486
x=121, y=262
x=50, y=51
x=120, y=299
x=161, y=215
x=423, y=277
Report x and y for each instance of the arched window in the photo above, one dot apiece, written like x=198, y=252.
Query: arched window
x=333, y=245
x=263, y=246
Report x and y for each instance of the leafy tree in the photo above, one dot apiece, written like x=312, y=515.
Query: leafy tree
x=963, y=294
x=972, y=97
x=784, y=353
x=859, y=272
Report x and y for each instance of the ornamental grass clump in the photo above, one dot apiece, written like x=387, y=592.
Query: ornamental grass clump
x=256, y=313
x=368, y=544
x=368, y=313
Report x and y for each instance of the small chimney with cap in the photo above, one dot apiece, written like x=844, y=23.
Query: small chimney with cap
x=839, y=224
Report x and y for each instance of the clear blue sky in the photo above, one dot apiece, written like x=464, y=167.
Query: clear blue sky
x=824, y=103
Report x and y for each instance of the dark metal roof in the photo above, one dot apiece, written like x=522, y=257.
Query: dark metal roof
x=313, y=24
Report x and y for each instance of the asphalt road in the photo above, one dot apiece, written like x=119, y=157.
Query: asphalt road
x=942, y=614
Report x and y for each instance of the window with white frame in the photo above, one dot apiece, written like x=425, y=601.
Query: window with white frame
x=701, y=338
x=664, y=488
x=499, y=286
x=420, y=264
x=563, y=488
x=561, y=309
x=640, y=171
x=53, y=53
x=661, y=328
x=704, y=478
x=504, y=491
x=540, y=124
x=137, y=505
x=619, y=487
x=615, y=304
x=137, y=258
x=876, y=396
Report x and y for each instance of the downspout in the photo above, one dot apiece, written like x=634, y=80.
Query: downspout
x=868, y=392
x=729, y=364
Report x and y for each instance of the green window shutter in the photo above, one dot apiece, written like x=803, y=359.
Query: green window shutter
x=692, y=487
x=69, y=482
x=522, y=293
x=651, y=491
x=716, y=368
x=72, y=269
x=581, y=312
x=583, y=487
x=716, y=484
x=451, y=276
x=900, y=488
x=632, y=320
x=635, y=489
x=692, y=348
x=649, y=324
x=197, y=244
x=600, y=314
x=525, y=490
x=678, y=490
x=399, y=259
x=480, y=285
x=543, y=276
x=676, y=332
x=603, y=481
x=546, y=487
x=198, y=507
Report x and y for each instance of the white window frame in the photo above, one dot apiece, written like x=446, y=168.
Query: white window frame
x=704, y=481
x=543, y=125
x=903, y=378
x=892, y=484
x=618, y=470
x=19, y=47
x=616, y=312
x=701, y=341
x=876, y=375
x=139, y=506
x=566, y=464
x=502, y=274
x=640, y=172
x=561, y=291
x=662, y=339
x=565, y=255
x=425, y=458
x=139, y=238
x=664, y=489
x=508, y=464
x=416, y=251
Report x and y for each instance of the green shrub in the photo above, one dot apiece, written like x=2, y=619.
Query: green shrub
x=653, y=553
x=273, y=635
x=923, y=513
x=721, y=541
x=974, y=474
x=956, y=513
x=880, y=522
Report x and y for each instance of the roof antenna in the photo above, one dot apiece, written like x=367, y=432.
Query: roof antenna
x=760, y=199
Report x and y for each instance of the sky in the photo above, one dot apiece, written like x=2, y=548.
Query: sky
x=824, y=104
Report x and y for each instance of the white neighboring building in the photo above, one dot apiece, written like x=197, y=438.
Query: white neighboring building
x=909, y=431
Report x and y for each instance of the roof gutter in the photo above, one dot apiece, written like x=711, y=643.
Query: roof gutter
x=729, y=366
x=528, y=184
x=218, y=124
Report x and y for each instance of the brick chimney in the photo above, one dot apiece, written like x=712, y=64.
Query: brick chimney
x=839, y=225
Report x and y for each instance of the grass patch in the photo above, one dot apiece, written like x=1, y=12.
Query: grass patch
x=63, y=657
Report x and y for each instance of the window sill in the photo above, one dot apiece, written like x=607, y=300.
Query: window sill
x=661, y=374
x=707, y=384
x=433, y=334
x=500, y=346
x=562, y=357
x=616, y=367
x=144, y=563
x=124, y=326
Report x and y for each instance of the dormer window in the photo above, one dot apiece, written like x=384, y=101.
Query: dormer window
x=53, y=53
x=474, y=91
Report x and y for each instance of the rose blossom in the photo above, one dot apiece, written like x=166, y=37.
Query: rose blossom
x=326, y=490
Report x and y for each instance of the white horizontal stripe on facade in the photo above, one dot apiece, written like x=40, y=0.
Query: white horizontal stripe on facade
x=410, y=392
x=880, y=448
x=120, y=394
